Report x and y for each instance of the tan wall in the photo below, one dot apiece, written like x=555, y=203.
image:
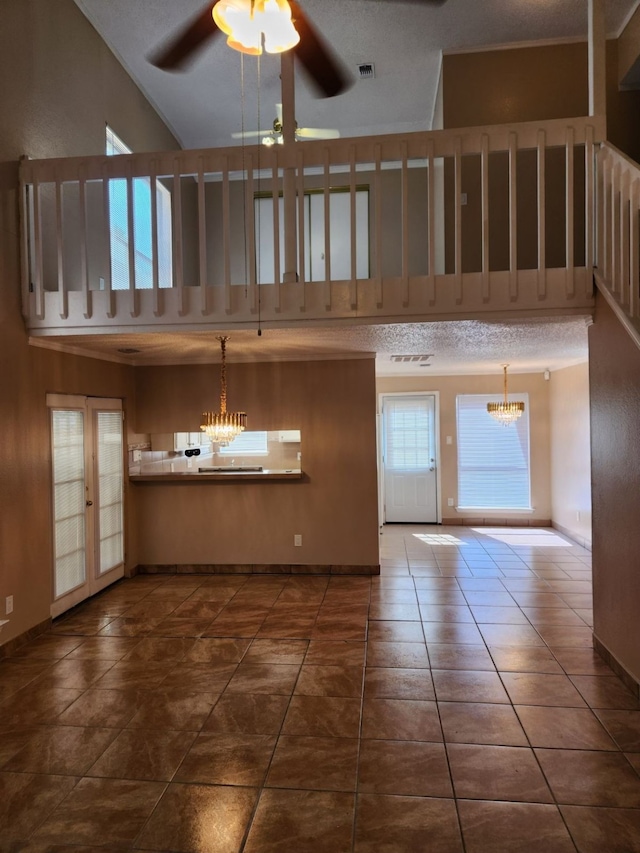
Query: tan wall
x=571, y=452
x=334, y=507
x=629, y=46
x=520, y=84
x=615, y=414
x=59, y=85
x=449, y=387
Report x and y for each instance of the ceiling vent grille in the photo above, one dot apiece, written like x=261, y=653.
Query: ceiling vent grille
x=366, y=71
x=411, y=359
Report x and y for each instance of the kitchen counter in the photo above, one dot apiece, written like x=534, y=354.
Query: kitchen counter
x=234, y=475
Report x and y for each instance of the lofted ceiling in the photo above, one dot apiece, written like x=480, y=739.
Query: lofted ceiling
x=205, y=104
x=404, y=41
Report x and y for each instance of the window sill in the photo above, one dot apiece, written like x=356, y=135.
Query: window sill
x=466, y=510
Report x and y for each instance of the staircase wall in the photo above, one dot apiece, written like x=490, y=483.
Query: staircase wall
x=614, y=376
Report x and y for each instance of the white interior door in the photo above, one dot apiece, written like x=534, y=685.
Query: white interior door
x=410, y=459
x=87, y=453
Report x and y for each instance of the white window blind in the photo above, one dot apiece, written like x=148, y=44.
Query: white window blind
x=247, y=444
x=142, y=228
x=110, y=485
x=493, y=460
x=67, y=430
x=408, y=430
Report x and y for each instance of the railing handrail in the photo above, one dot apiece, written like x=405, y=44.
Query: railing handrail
x=466, y=140
x=617, y=274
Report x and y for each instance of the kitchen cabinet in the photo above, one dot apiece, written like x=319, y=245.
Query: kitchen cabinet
x=177, y=440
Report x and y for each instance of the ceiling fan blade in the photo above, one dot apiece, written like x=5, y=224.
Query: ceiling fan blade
x=185, y=44
x=250, y=134
x=416, y=2
x=319, y=61
x=317, y=133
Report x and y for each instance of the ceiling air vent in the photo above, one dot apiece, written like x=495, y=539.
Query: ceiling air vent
x=411, y=359
x=366, y=71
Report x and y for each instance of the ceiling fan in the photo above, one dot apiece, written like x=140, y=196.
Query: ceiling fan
x=316, y=56
x=275, y=136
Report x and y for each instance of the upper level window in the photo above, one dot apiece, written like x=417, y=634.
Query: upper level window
x=142, y=228
x=493, y=460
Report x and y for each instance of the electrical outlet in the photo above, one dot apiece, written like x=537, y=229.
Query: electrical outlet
x=449, y=501
x=8, y=605
x=297, y=540
x=449, y=439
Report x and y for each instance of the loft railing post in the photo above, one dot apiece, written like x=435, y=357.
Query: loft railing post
x=597, y=60
x=569, y=214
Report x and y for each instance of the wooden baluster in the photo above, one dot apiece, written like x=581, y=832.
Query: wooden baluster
x=275, y=197
x=134, y=309
x=513, y=217
x=458, y=218
x=106, y=211
x=569, y=215
x=226, y=235
x=353, y=285
x=155, y=260
x=202, y=237
x=250, y=231
x=377, y=223
x=542, y=214
x=634, y=260
x=301, y=229
x=84, y=255
x=178, y=248
x=404, y=178
x=431, y=216
x=326, y=189
x=484, y=167
x=63, y=299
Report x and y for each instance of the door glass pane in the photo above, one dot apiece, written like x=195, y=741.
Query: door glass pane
x=408, y=430
x=68, y=500
x=110, y=485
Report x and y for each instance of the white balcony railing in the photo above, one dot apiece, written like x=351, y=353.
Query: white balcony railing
x=618, y=216
x=464, y=223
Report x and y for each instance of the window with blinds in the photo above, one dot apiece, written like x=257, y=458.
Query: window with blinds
x=493, y=460
x=110, y=487
x=408, y=430
x=247, y=444
x=142, y=228
x=67, y=432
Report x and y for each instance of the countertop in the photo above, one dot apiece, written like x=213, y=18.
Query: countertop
x=232, y=475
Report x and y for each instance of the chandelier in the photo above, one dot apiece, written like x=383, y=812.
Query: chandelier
x=247, y=22
x=506, y=412
x=223, y=426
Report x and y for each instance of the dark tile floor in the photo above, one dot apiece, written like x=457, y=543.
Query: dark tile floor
x=452, y=705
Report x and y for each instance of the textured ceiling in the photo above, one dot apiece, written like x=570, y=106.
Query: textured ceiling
x=403, y=40
x=465, y=346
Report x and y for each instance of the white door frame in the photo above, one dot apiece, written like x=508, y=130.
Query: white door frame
x=380, y=442
x=94, y=581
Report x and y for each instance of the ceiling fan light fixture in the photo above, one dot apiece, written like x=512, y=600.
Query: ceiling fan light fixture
x=246, y=23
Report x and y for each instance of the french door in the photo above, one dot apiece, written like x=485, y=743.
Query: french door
x=87, y=454
x=410, y=458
